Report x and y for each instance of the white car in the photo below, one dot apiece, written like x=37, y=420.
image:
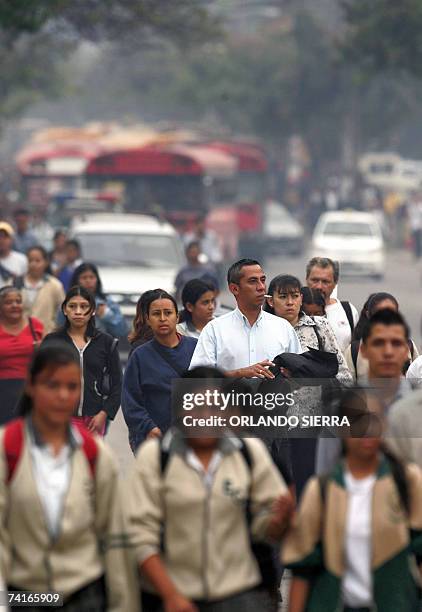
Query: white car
x=352, y=238
x=281, y=232
x=133, y=253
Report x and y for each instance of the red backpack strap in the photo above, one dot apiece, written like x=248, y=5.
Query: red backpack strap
x=89, y=447
x=13, y=444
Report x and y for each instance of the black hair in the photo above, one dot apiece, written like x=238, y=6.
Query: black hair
x=91, y=330
x=193, y=243
x=75, y=243
x=368, y=310
x=21, y=211
x=88, y=267
x=191, y=293
x=49, y=356
x=353, y=404
x=385, y=317
x=58, y=233
x=312, y=296
x=323, y=262
x=158, y=294
x=44, y=253
x=141, y=331
x=234, y=273
x=282, y=282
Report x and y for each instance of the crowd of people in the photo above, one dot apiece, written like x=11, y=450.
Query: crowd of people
x=204, y=523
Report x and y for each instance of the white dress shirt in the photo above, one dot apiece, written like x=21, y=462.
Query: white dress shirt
x=230, y=343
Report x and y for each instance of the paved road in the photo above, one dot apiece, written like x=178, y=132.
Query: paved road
x=403, y=279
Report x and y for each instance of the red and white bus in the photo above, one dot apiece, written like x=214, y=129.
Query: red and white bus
x=179, y=181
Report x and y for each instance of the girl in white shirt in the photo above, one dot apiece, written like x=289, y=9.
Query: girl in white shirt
x=359, y=528
x=198, y=299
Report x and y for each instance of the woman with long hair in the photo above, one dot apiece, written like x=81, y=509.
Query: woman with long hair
x=98, y=355
x=146, y=396
x=62, y=528
x=19, y=336
x=358, y=533
x=108, y=314
x=198, y=299
x=141, y=331
x=42, y=293
x=357, y=364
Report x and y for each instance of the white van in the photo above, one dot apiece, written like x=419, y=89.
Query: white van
x=133, y=253
x=352, y=238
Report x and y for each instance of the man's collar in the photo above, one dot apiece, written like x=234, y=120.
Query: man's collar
x=403, y=386
x=244, y=318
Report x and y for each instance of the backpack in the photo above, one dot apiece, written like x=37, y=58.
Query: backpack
x=354, y=351
x=398, y=477
x=349, y=314
x=263, y=553
x=14, y=437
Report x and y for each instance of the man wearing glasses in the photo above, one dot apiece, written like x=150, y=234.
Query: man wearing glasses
x=322, y=274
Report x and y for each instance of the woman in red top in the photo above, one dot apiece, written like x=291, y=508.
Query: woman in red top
x=18, y=338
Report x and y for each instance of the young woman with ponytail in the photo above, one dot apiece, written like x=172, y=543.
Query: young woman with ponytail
x=62, y=528
x=358, y=535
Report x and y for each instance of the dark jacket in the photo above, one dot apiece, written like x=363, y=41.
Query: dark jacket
x=146, y=397
x=94, y=359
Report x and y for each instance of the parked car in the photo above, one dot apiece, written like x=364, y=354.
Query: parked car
x=133, y=252
x=352, y=238
x=281, y=232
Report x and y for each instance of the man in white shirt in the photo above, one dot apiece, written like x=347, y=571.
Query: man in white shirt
x=244, y=342
x=322, y=274
x=12, y=263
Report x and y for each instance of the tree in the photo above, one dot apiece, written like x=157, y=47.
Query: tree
x=384, y=35
x=36, y=36
x=97, y=20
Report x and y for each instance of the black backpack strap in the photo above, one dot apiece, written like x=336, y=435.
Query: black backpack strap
x=246, y=454
x=18, y=282
x=161, y=351
x=411, y=349
x=323, y=482
x=164, y=457
x=349, y=314
x=318, y=335
x=5, y=273
x=354, y=351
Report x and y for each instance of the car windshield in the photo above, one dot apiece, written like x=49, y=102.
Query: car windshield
x=348, y=228
x=152, y=251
